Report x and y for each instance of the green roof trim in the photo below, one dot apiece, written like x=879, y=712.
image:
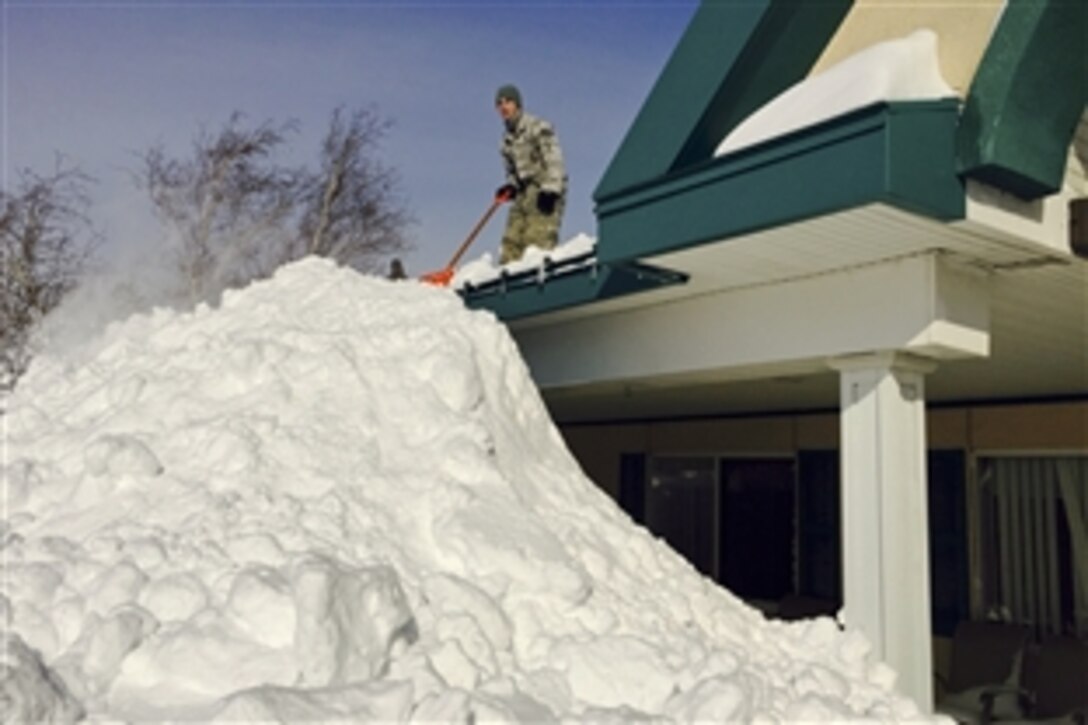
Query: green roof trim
x=898, y=153
x=567, y=284
x=733, y=58
x=1026, y=98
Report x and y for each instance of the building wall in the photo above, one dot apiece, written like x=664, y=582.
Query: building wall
x=1037, y=427
x=963, y=30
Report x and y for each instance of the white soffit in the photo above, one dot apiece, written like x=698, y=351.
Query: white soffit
x=915, y=304
x=857, y=237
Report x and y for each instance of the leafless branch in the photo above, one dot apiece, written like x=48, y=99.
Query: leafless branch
x=46, y=243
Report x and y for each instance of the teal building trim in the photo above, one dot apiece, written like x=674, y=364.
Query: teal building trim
x=897, y=153
x=570, y=283
x=1026, y=98
x=733, y=58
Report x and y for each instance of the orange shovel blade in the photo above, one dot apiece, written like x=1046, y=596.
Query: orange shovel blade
x=441, y=278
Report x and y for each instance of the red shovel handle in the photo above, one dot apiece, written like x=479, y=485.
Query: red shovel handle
x=442, y=277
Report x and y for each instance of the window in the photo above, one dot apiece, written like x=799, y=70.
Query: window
x=767, y=528
x=632, y=494
x=681, y=507
x=819, y=548
x=733, y=519
x=756, y=541
x=948, y=564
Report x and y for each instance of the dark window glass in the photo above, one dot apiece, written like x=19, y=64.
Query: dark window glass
x=757, y=531
x=633, y=485
x=818, y=515
x=680, y=507
x=947, y=539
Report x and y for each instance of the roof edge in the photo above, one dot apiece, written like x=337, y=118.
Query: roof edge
x=901, y=153
x=1028, y=94
x=761, y=47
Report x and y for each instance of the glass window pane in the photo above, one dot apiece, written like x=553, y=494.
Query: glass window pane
x=680, y=505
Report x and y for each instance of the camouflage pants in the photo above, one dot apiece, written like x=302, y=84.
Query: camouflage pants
x=526, y=226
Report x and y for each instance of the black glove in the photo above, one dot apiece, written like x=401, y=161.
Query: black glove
x=546, y=201
x=507, y=192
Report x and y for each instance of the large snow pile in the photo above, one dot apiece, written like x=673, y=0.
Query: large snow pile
x=338, y=497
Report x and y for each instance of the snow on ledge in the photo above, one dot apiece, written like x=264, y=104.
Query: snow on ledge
x=484, y=269
x=904, y=69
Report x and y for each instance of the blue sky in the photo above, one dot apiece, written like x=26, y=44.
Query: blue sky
x=101, y=81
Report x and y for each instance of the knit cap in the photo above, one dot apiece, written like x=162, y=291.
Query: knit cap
x=509, y=91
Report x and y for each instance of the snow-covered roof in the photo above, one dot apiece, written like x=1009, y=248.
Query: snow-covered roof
x=485, y=268
x=902, y=69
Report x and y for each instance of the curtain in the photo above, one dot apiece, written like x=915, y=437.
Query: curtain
x=1073, y=482
x=1039, y=541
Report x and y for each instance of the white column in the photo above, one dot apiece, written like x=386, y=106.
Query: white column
x=885, y=526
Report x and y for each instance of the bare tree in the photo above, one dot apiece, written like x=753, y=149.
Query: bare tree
x=46, y=243
x=226, y=206
x=352, y=209
x=236, y=214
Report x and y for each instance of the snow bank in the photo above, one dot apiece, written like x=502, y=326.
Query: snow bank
x=903, y=69
x=338, y=497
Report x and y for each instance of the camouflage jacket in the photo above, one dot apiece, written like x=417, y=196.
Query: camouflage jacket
x=531, y=155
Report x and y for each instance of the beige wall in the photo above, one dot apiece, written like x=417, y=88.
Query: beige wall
x=1032, y=427
x=948, y=428
x=746, y=436
x=963, y=29
x=598, y=450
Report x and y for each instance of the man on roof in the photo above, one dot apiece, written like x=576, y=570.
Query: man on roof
x=536, y=179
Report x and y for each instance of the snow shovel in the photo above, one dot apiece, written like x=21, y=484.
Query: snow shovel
x=442, y=277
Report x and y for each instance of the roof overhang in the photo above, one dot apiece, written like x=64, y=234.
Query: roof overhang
x=900, y=154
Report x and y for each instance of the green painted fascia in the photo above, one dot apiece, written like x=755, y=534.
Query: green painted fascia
x=733, y=58
x=921, y=159
x=1026, y=98
x=525, y=295
x=899, y=153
